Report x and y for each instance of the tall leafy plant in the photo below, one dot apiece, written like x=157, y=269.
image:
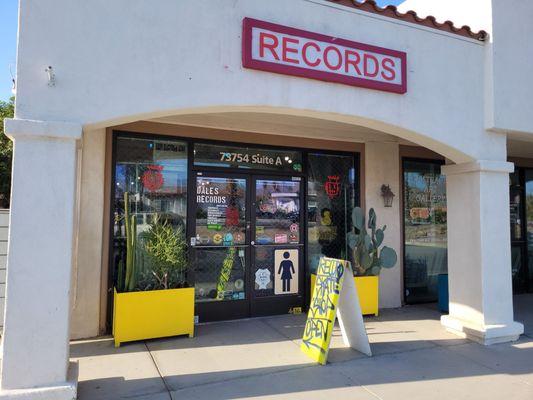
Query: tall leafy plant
x=155, y=259
x=369, y=254
x=166, y=250
x=130, y=223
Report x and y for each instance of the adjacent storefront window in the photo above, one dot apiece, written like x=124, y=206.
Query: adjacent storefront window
x=529, y=224
x=210, y=155
x=521, y=213
x=150, y=213
x=425, y=234
x=518, y=268
x=330, y=201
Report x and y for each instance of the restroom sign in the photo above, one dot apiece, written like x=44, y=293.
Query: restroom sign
x=286, y=271
x=289, y=51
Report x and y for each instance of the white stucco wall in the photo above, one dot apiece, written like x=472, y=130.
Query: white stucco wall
x=512, y=66
x=186, y=55
x=382, y=166
x=88, y=256
x=40, y=253
x=509, y=83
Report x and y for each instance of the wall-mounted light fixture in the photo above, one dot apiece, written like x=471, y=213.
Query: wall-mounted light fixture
x=387, y=195
x=13, y=81
x=51, y=76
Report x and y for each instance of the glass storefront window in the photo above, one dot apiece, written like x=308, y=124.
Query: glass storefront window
x=529, y=223
x=515, y=206
x=218, y=156
x=330, y=201
x=277, y=237
x=425, y=230
x=277, y=212
x=219, y=273
x=220, y=228
x=220, y=211
x=150, y=212
x=516, y=268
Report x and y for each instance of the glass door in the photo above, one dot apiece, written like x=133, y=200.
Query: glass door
x=220, y=246
x=277, y=246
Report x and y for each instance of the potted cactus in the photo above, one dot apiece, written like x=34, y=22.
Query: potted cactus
x=369, y=256
x=151, y=297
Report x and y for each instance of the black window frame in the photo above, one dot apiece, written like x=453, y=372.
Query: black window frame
x=192, y=171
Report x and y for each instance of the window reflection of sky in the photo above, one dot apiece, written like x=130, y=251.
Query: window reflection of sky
x=174, y=174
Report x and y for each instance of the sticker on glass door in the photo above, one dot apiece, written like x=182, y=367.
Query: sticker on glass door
x=286, y=271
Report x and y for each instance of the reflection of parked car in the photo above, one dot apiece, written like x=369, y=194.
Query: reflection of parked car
x=427, y=215
x=279, y=215
x=264, y=240
x=416, y=272
x=419, y=213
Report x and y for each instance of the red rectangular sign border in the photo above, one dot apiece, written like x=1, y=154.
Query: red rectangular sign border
x=249, y=62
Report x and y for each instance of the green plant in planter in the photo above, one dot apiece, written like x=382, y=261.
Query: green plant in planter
x=130, y=224
x=166, y=253
x=368, y=253
x=155, y=259
x=127, y=269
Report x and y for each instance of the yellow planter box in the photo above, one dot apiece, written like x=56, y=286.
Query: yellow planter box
x=367, y=291
x=153, y=314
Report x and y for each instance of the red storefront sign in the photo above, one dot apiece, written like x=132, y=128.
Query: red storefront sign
x=153, y=178
x=289, y=51
x=333, y=186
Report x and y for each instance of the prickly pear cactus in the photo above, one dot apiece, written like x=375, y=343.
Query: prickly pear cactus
x=368, y=253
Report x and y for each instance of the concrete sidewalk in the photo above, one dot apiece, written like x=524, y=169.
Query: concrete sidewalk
x=414, y=358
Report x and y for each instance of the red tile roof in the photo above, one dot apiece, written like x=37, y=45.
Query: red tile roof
x=412, y=17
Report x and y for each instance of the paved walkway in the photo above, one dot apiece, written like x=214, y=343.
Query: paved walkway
x=414, y=358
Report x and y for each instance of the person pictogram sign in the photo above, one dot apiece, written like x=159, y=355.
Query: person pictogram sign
x=286, y=270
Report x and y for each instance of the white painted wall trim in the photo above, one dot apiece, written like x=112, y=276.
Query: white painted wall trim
x=478, y=166
x=15, y=128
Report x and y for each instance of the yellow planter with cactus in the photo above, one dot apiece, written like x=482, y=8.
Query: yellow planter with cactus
x=367, y=291
x=153, y=314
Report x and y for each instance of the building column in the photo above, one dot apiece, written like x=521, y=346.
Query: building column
x=35, y=352
x=382, y=167
x=479, y=252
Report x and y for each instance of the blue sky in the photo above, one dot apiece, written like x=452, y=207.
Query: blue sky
x=8, y=42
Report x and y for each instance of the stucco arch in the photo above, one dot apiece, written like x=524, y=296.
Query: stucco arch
x=445, y=149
